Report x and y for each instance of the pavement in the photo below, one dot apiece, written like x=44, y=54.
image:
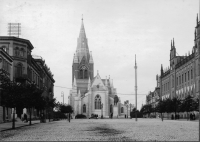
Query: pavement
x=106, y=130
x=8, y=125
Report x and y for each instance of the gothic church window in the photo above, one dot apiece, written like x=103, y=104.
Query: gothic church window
x=97, y=102
x=122, y=110
x=84, y=108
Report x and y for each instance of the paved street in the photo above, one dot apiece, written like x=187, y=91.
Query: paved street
x=106, y=129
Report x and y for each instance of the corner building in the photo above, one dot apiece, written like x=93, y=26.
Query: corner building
x=89, y=93
x=182, y=77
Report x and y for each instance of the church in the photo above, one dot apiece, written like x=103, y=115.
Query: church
x=92, y=95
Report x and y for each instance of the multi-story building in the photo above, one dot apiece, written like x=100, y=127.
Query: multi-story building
x=5, y=74
x=182, y=77
x=26, y=69
x=153, y=97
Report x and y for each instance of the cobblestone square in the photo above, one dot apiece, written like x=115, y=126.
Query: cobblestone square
x=106, y=130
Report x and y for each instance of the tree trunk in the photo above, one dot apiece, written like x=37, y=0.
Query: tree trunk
x=13, y=120
x=30, y=116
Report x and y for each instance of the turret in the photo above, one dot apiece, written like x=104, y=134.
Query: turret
x=161, y=70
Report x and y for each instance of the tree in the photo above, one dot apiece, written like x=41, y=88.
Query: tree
x=49, y=105
x=12, y=96
x=66, y=109
x=188, y=104
x=161, y=108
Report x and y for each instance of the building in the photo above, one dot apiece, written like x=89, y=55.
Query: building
x=5, y=74
x=182, y=77
x=153, y=97
x=26, y=69
x=89, y=94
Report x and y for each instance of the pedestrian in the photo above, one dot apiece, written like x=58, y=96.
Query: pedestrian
x=25, y=118
x=190, y=116
x=69, y=117
x=172, y=117
x=193, y=116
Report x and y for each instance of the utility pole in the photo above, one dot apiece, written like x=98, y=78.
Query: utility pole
x=135, y=89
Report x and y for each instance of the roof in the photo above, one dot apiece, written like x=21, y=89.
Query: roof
x=17, y=39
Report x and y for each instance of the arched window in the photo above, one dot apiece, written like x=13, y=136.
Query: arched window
x=19, y=70
x=122, y=110
x=97, y=102
x=21, y=52
x=84, y=108
x=16, y=51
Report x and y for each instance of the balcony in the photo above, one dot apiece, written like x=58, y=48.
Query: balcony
x=21, y=77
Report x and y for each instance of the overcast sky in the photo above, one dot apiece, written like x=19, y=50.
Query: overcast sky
x=116, y=31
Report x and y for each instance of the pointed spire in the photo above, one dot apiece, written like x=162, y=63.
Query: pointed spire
x=89, y=84
x=106, y=82
x=82, y=31
x=91, y=58
x=197, y=19
x=112, y=83
x=74, y=83
x=173, y=43
x=161, y=70
x=79, y=93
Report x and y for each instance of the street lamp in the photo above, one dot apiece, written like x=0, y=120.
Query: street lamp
x=102, y=111
x=62, y=95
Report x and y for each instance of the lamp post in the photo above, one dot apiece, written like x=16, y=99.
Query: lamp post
x=62, y=95
x=102, y=111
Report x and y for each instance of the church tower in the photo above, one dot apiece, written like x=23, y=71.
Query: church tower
x=83, y=66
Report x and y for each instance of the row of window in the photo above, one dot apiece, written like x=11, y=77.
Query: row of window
x=33, y=76
x=6, y=66
x=184, y=77
x=179, y=80
x=19, y=52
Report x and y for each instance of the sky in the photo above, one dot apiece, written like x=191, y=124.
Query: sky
x=116, y=31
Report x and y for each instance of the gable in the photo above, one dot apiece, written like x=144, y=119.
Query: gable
x=97, y=82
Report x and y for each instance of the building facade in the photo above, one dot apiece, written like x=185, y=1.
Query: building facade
x=182, y=77
x=25, y=69
x=5, y=74
x=91, y=95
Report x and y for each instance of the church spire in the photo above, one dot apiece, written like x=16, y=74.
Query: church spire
x=82, y=31
x=82, y=45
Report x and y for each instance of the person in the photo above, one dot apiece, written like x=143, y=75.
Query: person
x=172, y=117
x=69, y=117
x=25, y=118
x=193, y=116
x=190, y=116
